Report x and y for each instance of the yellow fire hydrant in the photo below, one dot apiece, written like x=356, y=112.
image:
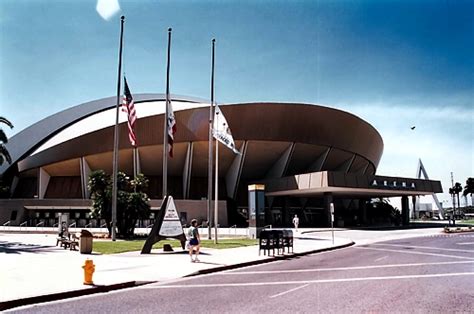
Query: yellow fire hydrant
x=89, y=269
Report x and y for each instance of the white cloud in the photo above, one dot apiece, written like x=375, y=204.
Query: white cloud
x=443, y=139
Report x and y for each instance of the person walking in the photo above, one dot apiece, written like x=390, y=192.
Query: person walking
x=296, y=222
x=194, y=241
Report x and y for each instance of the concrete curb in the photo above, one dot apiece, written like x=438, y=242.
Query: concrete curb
x=457, y=229
x=268, y=260
x=70, y=294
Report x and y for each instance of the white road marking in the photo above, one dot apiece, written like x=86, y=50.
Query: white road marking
x=381, y=258
x=340, y=268
x=275, y=283
x=424, y=247
x=413, y=252
x=450, y=235
x=288, y=291
x=465, y=243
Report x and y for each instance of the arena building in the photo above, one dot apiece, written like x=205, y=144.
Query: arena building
x=306, y=155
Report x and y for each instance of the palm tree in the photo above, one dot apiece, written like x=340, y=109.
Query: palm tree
x=458, y=189
x=469, y=189
x=452, y=192
x=4, y=154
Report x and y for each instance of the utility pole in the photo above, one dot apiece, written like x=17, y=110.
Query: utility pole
x=454, y=199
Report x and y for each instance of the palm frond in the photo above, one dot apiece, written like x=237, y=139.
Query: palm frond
x=3, y=137
x=5, y=121
x=5, y=155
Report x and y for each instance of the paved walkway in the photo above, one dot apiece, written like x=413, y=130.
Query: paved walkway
x=31, y=265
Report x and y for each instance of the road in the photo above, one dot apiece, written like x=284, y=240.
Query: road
x=432, y=274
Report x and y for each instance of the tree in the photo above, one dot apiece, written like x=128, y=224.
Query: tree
x=382, y=211
x=453, y=193
x=4, y=154
x=100, y=186
x=132, y=202
x=469, y=189
x=458, y=189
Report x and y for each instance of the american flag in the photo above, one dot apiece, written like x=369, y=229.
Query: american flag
x=171, y=129
x=129, y=107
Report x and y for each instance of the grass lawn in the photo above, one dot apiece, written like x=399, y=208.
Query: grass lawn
x=110, y=247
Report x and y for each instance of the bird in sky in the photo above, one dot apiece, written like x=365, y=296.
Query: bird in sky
x=413, y=127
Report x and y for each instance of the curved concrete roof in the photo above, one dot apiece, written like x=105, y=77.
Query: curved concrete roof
x=28, y=140
x=269, y=128
x=276, y=139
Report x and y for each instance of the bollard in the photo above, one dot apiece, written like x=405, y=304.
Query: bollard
x=89, y=269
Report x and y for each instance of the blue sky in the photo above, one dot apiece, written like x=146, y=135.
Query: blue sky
x=393, y=63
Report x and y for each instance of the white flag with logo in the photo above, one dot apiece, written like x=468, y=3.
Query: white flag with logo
x=221, y=130
x=171, y=129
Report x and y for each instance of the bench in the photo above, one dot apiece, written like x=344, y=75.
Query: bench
x=66, y=243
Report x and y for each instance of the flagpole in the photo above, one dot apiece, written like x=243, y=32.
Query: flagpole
x=216, y=195
x=135, y=162
x=209, y=167
x=116, y=136
x=165, y=131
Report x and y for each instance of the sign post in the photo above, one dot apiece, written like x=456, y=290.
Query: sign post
x=256, y=209
x=331, y=206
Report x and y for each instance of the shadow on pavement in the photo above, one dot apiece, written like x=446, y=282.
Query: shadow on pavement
x=209, y=263
x=18, y=248
x=185, y=252
x=413, y=225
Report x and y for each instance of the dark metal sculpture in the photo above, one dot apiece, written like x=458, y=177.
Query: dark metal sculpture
x=166, y=226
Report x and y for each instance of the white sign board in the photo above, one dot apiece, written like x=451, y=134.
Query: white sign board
x=171, y=226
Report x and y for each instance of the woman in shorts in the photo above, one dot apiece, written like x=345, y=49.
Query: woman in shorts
x=194, y=240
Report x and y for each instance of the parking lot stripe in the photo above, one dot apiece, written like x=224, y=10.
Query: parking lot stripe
x=275, y=283
x=424, y=247
x=381, y=258
x=255, y=272
x=288, y=291
x=412, y=252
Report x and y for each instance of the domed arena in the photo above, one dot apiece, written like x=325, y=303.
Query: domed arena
x=305, y=155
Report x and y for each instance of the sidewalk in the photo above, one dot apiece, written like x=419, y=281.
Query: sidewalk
x=32, y=266
x=33, y=269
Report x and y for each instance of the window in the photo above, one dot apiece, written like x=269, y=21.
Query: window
x=183, y=217
x=13, y=215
